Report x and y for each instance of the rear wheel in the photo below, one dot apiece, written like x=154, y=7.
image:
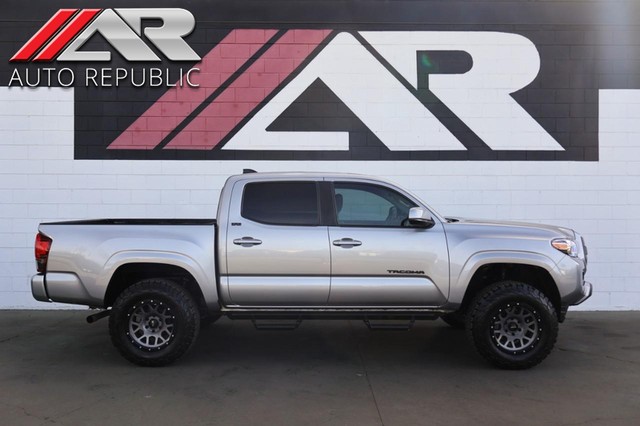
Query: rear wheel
x=512, y=325
x=154, y=322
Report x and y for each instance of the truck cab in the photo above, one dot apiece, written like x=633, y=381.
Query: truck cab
x=342, y=241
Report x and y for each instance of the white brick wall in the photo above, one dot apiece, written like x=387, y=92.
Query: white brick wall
x=40, y=181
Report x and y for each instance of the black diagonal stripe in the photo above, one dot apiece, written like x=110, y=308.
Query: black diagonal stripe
x=439, y=109
x=184, y=123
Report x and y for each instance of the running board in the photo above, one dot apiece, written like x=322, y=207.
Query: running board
x=395, y=325
x=276, y=324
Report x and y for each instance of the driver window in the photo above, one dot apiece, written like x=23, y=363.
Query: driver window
x=360, y=204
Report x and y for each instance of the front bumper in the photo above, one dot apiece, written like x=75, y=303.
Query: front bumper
x=584, y=293
x=587, y=290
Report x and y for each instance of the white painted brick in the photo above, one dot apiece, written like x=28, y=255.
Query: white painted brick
x=204, y=196
x=145, y=196
x=132, y=210
x=160, y=182
x=81, y=168
x=191, y=211
x=101, y=211
x=41, y=152
x=117, y=168
x=40, y=181
x=174, y=197
x=89, y=181
x=85, y=196
x=26, y=195
x=6, y=196
x=58, y=108
x=48, y=181
x=10, y=211
x=18, y=152
x=116, y=196
x=46, y=122
x=13, y=239
x=612, y=197
x=15, y=123
x=43, y=212
x=598, y=301
x=131, y=182
x=18, y=166
x=60, y=138
x=160, y=210
x=72, y=211
x=621, y=300
x=23, y=283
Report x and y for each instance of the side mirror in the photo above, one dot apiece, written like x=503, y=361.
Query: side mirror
x=420, y=217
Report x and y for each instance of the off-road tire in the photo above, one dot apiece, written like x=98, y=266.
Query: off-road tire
x=455, y=320
x=488, y=311
x=181, y=321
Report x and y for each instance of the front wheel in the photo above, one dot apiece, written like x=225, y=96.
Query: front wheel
x=154, y=322
x=512, y=325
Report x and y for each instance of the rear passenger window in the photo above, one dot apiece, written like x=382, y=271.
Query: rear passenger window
x=281, y=203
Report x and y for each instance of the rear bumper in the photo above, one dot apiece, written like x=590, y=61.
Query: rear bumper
x=61, y=287
x=38, y=288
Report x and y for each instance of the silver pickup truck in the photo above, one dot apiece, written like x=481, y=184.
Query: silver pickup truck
x=290, y=246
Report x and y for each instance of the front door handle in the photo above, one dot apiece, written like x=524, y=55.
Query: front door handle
x=347, y=243
x=247, y=242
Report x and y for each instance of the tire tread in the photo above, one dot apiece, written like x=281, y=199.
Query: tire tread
x=181, y=297
x=481, y=305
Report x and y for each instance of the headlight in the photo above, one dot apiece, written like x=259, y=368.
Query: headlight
x=566, y=246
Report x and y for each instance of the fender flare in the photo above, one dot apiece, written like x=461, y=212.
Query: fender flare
x=209, y=289
x=479, y=259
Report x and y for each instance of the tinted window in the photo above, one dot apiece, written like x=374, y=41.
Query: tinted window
x=370, y=205
x=281, y=203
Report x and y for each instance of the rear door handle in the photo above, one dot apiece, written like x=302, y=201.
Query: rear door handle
x=247, y=242
x=347, y=243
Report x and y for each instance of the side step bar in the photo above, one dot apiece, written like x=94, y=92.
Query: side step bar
x=395, y=325
x=276, y=324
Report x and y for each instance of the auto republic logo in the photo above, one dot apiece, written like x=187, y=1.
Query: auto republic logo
x=293, y=91
x=61, y=38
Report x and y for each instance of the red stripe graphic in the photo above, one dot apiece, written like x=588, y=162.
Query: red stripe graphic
x=43, y=35
x=66, y=35
x=249, y=90
x=178, y=102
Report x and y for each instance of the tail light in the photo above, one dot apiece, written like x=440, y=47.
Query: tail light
x=43, y=245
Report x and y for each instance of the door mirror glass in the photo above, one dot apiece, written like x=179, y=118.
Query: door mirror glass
x=419, y=216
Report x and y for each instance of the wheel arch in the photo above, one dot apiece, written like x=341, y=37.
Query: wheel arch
x=486, y=268
x=128, y=267
x=130, y=273
x=533, y=275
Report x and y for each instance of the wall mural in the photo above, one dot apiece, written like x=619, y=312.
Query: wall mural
x=172, y=84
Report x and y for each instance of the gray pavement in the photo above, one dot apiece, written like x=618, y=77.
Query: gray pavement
x=56, y=369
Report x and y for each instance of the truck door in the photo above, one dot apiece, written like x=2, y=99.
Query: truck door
x=277, y=251
x=378, y=258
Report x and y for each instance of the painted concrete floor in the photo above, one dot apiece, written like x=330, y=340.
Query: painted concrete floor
x=56, y=369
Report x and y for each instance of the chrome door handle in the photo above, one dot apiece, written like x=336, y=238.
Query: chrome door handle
x=247, y=242
x=347, y=243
